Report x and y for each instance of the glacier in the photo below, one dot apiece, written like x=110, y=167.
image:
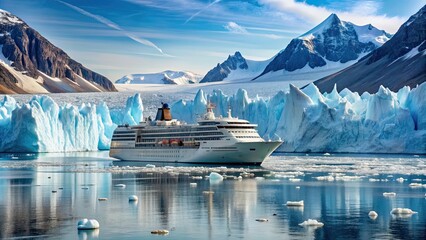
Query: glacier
x=305, y=119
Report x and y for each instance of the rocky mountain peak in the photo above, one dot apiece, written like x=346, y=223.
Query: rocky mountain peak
x=221, y=71
x=6, y=18
x=33, y=55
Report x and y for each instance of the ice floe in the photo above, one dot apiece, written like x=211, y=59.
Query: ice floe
x=133, y=198
x=402, y=211
x=87, y=224
x=311, y=223
x=295, y=203
x=389, y=194
x=373, y=215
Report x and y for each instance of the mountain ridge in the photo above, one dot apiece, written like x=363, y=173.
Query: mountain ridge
x=29, y=53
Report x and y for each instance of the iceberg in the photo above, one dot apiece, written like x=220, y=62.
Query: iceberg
x=305, y=119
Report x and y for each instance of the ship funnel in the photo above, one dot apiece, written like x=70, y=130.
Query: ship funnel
x=163, y=113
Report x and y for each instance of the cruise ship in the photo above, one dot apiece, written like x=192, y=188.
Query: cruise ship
x=213, y=140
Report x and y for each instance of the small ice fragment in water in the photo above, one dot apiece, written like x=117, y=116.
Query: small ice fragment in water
x=214, y=176
x=294, y=203
x=327, y=154
x=86, y=224
x=150, y=166
x=160, y=232
x=415, y=185
x=259, y=178
x=400, y=180
x=261, y=220
x=325, y=178
x=373, y=215
x=295, y=179
x=102, y=199
x=240, y=178
x=208, y=192
x=389, y=194
x=193, y=184
x=402, y=211
x=120, y=185
x=197, y=177
x=297, y=187
x=133, y=198
x=312, y=222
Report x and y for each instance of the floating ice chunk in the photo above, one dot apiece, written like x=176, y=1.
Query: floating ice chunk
x=239, y=178
x=261, y=220
x=295, y=179
x=150, y=166
x=193, y=184
x=160, y=231
x=197, y=177
x=297, y=187
x=325, y=178
x=415, y=185
x=214, y=176
x=311, y=222
x=120, y=185
x=402, y=211
x=208, y=192
x=327, y=154
x=295, y=203
x=133, y=198
x=86, y=224
x=259, y=178
x=373, y=215
x=102, y=199
x=389, y=194
x=400, y=180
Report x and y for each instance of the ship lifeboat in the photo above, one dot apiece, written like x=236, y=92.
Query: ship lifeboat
x=174, y=141
x=165, y=141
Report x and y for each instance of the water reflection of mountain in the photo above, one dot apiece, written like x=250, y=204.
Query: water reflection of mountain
x=29, y=208
x=168, y=201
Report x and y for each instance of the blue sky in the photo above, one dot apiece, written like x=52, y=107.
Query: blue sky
x=119, y=37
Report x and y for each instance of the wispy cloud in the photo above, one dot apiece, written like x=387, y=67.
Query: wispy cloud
x=361, y=13
x=203, y=9
x=235, y=28
x=113, y=25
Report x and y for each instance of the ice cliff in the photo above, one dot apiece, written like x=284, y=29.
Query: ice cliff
x=306, y=120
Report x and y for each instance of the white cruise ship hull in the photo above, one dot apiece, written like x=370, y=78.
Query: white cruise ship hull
x=251, y=153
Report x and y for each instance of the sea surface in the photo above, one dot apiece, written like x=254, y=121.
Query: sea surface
x=44, y=195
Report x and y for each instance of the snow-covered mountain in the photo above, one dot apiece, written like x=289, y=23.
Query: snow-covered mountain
x=234, y=68
x=29, y=63
x=400, y=62
x=327, y=48
x=166, y=77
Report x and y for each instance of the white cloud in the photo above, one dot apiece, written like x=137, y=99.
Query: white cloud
x=362, y=13
x=235, y=28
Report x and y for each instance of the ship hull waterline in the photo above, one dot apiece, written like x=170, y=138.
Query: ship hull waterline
x=243, y=153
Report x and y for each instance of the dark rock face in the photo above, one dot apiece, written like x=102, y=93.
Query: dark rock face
x=387, y=65
x=221, y=71
x=338, y=42
x=31, y=52
x=410, y=35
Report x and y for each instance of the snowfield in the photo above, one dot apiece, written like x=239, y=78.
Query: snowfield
x=306, y=120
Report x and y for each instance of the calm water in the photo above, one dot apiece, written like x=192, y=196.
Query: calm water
x=338, y=190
